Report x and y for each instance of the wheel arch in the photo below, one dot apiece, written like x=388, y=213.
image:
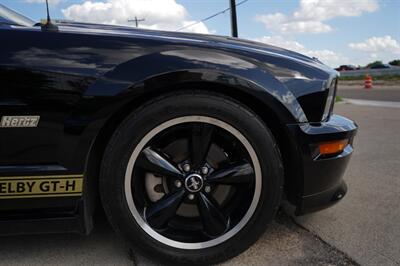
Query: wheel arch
x=273, y=115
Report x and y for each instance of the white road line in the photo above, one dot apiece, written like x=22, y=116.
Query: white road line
x=373, y=103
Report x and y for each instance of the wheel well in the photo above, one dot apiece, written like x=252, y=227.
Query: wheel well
x=269, y=117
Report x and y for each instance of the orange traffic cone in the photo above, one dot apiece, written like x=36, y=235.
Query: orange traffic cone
x=368, y=82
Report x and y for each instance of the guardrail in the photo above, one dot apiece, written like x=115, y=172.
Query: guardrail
x=372, y=72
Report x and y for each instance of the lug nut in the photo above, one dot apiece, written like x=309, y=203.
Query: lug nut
x=191, y=196
x=207, y=189
x=178, y=183
x=186, y=167
x=204, y=170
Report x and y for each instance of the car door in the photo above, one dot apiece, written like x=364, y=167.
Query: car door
x=40, y=87
x=34, y=100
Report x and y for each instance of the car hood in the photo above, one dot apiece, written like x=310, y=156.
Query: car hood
x=279, y=61
x=234, y=43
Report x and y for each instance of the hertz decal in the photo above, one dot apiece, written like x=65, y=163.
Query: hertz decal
x=40, y=186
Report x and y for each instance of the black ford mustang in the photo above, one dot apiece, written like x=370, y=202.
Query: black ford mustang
x=190, y=141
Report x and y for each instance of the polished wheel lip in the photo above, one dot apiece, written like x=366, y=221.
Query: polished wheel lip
x=190, y=119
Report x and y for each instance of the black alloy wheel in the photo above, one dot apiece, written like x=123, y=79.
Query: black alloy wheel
x=197, y=180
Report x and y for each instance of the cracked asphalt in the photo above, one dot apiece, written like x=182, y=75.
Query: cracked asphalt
x=284, y=243
x=363, y=229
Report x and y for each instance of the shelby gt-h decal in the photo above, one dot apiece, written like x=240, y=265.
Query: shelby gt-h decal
x=40, y=186
x=191, y=141
x=19, y=121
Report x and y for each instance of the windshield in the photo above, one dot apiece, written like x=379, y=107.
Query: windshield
x=8, y=16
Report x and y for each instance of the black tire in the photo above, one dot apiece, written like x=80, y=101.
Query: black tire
x=165, y=108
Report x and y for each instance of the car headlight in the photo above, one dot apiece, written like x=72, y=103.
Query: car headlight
x=330, y=100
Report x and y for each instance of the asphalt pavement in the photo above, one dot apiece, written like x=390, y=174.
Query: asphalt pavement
x=376, y=93
x=366, y=224
x=364, y=228
x=284, y=243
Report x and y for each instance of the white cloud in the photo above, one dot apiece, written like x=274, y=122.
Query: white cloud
x=327, y=9
x=198, y=27
x=373, y=55
x=283, y=24
x=310, y=17
x=329, y=57
x=158, y=14
x=281, y=42
x=374, y=45
x=51, y=2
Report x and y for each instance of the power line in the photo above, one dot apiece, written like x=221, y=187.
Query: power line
x=212, y=16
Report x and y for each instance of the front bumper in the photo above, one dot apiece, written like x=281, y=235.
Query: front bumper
x=319, y=182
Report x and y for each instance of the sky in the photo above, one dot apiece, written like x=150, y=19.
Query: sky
x=335, y=31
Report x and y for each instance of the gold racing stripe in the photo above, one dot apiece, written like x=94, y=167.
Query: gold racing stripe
x=16, y=187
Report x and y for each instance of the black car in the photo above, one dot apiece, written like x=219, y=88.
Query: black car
x=346, y=68
x=190, y=141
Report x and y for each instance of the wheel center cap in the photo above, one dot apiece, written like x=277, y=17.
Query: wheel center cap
x=194, y=183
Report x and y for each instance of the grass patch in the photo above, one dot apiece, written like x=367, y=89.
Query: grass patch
x=338, y=99
x=361, y=77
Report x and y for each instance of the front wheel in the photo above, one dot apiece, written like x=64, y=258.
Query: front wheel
x=191, y=178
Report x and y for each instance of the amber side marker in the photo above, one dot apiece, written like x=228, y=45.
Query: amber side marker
x=333, y=147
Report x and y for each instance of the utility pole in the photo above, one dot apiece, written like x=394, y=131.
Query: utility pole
x=234, y=18
x=136, y=20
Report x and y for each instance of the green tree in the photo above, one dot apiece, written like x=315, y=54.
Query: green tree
x=375, y=63
x=395, y=62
